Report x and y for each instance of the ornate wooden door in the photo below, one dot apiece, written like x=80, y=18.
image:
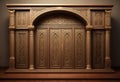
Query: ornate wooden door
x=60, y=48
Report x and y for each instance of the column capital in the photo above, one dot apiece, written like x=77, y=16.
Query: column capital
x=107, y=19
x=31, y=27
x=11, y=11
x=12, y=19
x=89, y=27
x=11, y=28
x=108, y=28
x=108, y=11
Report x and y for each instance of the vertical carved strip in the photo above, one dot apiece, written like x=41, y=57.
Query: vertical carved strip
x=55, y=51
x=107, y=47
x=12, y=57
x=88, y=17
x=107, y=38
x=88, y=49
x=12, y=40
x=31, y=44
x=31, y=49
x=67, y=54
x=79, y=48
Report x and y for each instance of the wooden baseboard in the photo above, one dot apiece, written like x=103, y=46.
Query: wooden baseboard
x=60, y=76
x=39, y=71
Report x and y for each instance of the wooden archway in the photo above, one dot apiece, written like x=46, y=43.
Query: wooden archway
x=56, y=9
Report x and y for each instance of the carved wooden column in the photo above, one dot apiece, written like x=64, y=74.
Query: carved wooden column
x=31, y=47
x=88, y=41
x=12, y=40
x=107, y=39
x=88, y=48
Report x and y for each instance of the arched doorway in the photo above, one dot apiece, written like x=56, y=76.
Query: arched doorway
x=59, y=41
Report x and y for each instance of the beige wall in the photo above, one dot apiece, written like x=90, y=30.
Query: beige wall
x=115, y=33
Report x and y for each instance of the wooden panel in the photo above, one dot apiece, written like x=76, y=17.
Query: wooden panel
x=55, y=48
x=42, y=48
x=21, y=49
x=98, y=49
x=67, y=49
x=98, y=19
x=22, y=19
x=79, y=48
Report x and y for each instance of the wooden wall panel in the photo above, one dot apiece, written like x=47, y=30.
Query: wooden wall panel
x=22, y=19
x=59, y=40
x=67, y=48
x=55, y=48
x=21, y=49
x=79, y=48
x=42, y=54
x=98, y=19
x=98, y=53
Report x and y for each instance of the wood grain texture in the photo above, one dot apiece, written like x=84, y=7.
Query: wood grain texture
x=98, y=49
x=42, y=54
x=22, y=19
x=55, y=48
x=52, y=36
x=21, y=57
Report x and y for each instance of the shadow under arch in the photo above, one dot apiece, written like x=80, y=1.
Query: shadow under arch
x=70, y=12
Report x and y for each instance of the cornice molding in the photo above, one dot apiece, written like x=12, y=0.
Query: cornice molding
x=56, y=5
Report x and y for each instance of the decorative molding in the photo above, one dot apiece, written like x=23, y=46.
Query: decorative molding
x=12, y=19
x=64, y=36
x=47, y=10
x=54, y=5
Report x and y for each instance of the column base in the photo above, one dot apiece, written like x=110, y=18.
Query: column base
x=88, y=66
x=107, y=63
x=12, y=63
x=31, y=67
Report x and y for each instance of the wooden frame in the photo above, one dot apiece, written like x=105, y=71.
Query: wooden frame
x=32, y=13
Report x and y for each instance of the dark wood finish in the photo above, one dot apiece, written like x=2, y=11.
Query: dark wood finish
x=62, y=77
x=21, y=57
x=42, y=50
x=79, y=48
x=67, y=49
x=98, y=19
x=98, y=52
x=57, y=38
x=55, y=48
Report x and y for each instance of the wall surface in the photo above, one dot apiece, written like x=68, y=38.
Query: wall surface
x=4, y=23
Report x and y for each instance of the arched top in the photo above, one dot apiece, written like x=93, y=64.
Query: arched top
x=70, y=11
